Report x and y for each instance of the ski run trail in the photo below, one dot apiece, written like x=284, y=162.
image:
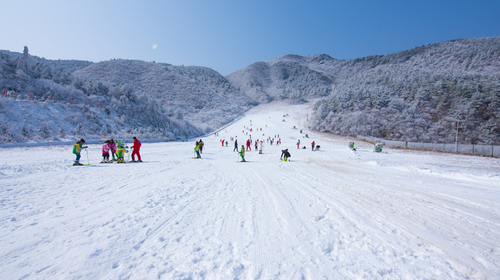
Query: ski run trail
x=327, y=214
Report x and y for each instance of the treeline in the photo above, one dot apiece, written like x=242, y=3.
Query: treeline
x=42, y=102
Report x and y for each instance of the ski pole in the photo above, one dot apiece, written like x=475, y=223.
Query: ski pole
x=87, y=151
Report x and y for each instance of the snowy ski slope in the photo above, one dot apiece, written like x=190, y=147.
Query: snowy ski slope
x=328, y=214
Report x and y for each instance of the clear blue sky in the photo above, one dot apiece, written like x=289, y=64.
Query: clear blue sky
x=228, y=35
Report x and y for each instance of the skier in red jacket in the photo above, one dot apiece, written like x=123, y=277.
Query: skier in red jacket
x=248, y=145
x=136, y=147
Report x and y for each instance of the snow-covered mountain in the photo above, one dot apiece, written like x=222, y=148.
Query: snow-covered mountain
x=202, y=95
x=407, y=96
x=288, y=77
x=46, y=100
x=418, y=95
x=413, y=95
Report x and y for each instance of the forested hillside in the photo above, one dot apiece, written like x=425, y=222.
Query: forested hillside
x=418, y=95
x=45, y=100
x=413, y=95
x=279, y=79
x=203, y=96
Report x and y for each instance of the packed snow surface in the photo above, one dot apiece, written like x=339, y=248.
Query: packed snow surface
x=327, y=214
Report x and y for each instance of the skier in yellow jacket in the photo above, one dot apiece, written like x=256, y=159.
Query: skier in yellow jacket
x=120, y=153
x=77, y=148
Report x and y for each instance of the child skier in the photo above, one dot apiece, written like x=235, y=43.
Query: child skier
x=260, y=147
x=77, y=148
x=312, y=145
x=242, y=154
x=136, y=147
x=105, y=152
x=112, y=147
x=120, y=153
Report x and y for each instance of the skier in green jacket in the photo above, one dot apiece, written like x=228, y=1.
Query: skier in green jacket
x=77, y=148
x=242, y=153
x=197, y=149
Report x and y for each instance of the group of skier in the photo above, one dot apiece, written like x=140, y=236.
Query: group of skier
x=285, y=154
x=116, y=149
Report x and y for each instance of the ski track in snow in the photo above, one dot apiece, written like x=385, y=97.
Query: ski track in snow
x=329, y=214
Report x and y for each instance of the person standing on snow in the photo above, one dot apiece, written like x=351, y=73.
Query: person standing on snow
x=112, y=148
x=312, y=145
x=201, y=146
x=197, y=149
x=260, y=147
x=235, y=145
x=77, y=148
x=242, y=154
x=136, y=147
x=298, y=143
x=248, y=145
x=105, y=152
x=120, y=154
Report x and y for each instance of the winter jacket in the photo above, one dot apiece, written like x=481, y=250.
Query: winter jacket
x=120, y=152
x=285, y=154
x=105, y=148
x=137, y=145
x=112, y=147
x=77, y=148
x=242, y=152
